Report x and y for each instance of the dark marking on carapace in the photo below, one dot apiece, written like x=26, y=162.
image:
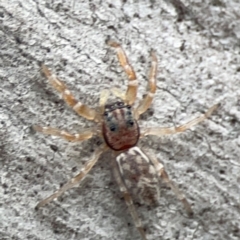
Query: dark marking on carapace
x=120, y=129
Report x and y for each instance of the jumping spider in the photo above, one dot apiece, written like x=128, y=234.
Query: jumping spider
x=136, y=172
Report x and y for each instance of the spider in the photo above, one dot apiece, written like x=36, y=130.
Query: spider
x=136, y=172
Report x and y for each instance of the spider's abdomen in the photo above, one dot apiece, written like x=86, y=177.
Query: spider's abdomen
x=120, y=129
x=139, y=175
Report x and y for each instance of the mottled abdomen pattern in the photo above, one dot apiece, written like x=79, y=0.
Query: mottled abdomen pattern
x=139, y=175
x=120, y=129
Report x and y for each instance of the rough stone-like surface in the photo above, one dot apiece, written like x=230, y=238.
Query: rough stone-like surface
x=198, y=46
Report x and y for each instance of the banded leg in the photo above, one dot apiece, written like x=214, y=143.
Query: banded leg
x=131, y=93
x=129, y=201
x=80, y=108
x=144, y=105
x=77, y=179
x=159, y=131
x=63, y=134
x=162, y=173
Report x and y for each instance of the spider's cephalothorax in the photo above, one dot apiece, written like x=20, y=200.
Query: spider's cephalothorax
x=136, y=172
x=120, y=129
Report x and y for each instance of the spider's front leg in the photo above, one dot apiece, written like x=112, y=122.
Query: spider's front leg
x=131, y=93
x=146, y=102
x=82, y=109
x=77, y=179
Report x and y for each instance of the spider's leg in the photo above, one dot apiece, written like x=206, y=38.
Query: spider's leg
x=128, y=200
x=80, y=108
x=77, y=179
x=163, y=174
x=146, y=102
x=159, y=131
x=119, y=93
x=103, y=99
x=133, y=83
x=86, y=134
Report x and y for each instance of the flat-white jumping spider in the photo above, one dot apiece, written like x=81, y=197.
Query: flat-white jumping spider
x=136, y=172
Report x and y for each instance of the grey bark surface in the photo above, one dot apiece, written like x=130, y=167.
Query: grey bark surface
x=197, y=45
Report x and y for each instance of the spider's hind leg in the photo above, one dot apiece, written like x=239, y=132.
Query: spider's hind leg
x=163, y=174
x=128, y=200
x=75, y=180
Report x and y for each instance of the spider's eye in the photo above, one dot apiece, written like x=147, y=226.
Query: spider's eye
x=129, y=107
x=109, y=119
x=119, y=103
x=129, y=113
x=130, y=122
x=105, y=114
x=112, y=127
